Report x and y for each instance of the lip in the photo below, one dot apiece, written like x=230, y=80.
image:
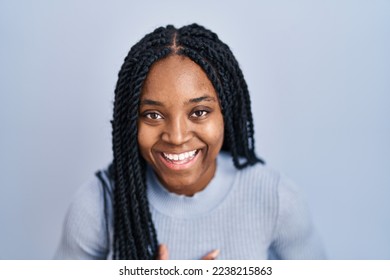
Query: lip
x=181, y=164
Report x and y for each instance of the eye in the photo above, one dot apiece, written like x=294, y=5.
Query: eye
x=153, y=116
x=199, y=113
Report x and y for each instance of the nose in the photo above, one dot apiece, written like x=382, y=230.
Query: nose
x=177, y=132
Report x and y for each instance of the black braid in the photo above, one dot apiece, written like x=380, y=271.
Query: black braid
x=204, y=47
x=134, y=232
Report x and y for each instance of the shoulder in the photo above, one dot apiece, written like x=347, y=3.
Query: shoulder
x=266, y=177
x=256, y=176
x=84, y=230
x=88, y=200
x=295, y=236
x=257, y=185
x=91, y=197
x=279, y=192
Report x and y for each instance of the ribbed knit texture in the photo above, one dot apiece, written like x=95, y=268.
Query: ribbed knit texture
x=254, y=213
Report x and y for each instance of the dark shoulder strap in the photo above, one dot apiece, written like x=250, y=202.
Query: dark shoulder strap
x=106, y=195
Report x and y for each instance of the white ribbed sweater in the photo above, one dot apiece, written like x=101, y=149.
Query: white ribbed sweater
x=254, y=213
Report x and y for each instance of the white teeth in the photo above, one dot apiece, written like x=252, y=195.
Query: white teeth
x=181, y=156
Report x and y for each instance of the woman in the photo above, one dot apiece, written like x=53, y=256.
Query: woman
x=185, y=182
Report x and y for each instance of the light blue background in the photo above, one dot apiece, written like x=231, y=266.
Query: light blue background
x=318, y=73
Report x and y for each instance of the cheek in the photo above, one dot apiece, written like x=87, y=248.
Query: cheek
x=145, y=140
x=214, y=133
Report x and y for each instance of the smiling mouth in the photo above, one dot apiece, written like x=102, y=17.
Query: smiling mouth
x=179, y=161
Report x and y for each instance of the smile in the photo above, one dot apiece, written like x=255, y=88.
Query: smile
x=180, y=157
x=179, y=161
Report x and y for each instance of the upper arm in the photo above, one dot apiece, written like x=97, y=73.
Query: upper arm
x=295, y=236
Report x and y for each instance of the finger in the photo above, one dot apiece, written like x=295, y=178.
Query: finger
x=162, y=252
x=212, y=255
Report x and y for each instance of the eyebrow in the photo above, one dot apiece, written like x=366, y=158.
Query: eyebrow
x=202, y=98
x=151, y=102
x=192, y=100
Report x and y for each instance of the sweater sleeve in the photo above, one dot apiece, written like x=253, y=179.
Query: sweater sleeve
x=84, y=233
x=295, y=235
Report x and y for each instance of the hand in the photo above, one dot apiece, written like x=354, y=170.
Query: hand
x=164, y=255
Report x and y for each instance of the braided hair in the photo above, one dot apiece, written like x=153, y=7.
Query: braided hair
x=134, y=232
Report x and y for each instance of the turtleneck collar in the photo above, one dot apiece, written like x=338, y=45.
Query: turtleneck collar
x=201, y=203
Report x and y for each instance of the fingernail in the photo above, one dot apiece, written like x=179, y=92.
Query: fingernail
x=214, y=254
x=160, y=250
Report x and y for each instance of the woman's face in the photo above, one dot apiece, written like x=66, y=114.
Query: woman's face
x=180, y=124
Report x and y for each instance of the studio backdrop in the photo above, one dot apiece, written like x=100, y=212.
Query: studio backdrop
x=318, y=75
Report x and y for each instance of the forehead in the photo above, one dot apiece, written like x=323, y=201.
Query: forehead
x=176, y=77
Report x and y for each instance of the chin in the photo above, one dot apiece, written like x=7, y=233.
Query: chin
x=179, y=185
